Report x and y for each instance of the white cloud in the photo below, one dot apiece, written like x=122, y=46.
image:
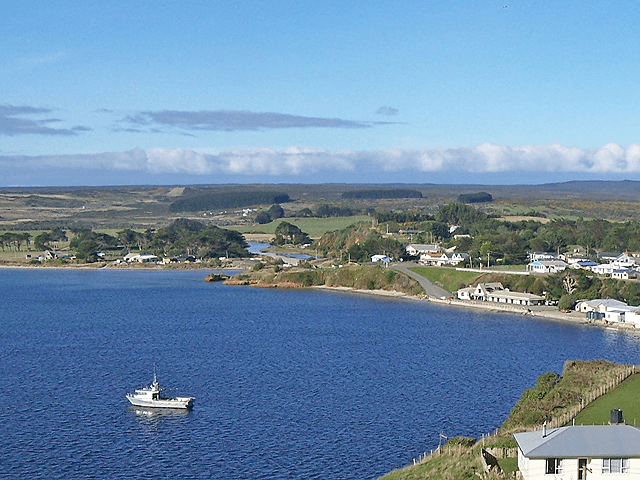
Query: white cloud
x=177, y=160
x=305, y=162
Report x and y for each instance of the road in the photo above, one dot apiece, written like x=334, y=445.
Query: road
x=430, y=288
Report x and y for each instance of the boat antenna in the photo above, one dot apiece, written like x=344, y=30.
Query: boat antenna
x=154, y=373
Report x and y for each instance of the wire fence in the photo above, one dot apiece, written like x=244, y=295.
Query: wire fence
x=555, y=422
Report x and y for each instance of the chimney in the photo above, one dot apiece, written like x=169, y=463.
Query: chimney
x=616, y=417
x=544, y=429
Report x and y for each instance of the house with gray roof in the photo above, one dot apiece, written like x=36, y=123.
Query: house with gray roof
x=415, y=249
x=587, y=452
x=495, y=292
x=547, y=266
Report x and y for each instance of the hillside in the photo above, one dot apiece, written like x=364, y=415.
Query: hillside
x=555, y=399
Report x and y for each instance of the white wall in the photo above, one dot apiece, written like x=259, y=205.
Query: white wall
x=535, y=469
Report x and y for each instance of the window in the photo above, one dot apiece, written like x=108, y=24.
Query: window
x=554, y=466
x=615, y=465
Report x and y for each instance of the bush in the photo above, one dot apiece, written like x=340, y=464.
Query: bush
x=262, y=218
x=462, y=441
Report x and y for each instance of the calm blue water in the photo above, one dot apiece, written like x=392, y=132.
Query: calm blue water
x=288, y=384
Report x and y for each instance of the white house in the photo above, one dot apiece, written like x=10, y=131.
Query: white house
x=536, y=256
x=415, y=249
x=580, y=452
x=624, y=261
x=547, y=266
x=443, y=258
x=624, y=273
x=603, y=269
x=599, y=305
x=576, y=257
x=380, y=259
x=146, y=258
x=495, y=292
x=610, y=310
x=621, y=267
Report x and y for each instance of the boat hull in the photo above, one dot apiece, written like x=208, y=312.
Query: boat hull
x=179, y=402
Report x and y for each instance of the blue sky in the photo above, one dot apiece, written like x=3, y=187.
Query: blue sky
x=95, y=93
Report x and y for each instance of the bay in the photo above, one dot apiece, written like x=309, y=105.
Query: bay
x=289, y=384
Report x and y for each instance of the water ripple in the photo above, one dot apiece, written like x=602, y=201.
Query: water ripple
x=288, y=384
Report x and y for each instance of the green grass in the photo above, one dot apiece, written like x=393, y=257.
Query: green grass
x=315, y=227
x=624, y=396
x=508, y=464
x=442, y=468
x=508, y=268
x=448, y=278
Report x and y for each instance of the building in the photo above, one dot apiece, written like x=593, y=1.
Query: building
x=380, y=259
x=610, y=310
x=536, y=256
x=441, y=259
x=584, y=264
x=495, y=292
x=600, y=305
x=624, y=274
x=547, y=266
x=580, y=452
x=415, y=249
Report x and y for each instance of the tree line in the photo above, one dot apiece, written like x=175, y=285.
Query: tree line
x=181, y=236
x=380, y=193
x=220, y=201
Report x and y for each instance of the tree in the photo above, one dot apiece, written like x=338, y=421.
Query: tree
x=262, y=218
x=440, y=230
x=275, y=211
x=305, y=212
x=130, y=237
x=287, y=233
x=41, y=241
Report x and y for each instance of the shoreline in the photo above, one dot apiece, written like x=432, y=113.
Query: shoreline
x=542, y=312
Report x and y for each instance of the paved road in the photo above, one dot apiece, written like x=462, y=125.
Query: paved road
x=430, y=288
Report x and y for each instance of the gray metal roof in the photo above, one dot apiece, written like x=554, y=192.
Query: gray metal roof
x=581, y=441
x=607, y=302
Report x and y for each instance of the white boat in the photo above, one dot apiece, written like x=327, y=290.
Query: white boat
x=150, y=397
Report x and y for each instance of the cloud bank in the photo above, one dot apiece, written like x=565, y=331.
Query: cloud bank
x=307, y=163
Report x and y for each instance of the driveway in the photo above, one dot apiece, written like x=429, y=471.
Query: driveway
x=430, y=288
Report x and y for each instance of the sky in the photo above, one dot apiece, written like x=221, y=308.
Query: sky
x=166, y=92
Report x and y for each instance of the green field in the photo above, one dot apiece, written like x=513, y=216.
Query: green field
x=624, y=396
x=315, y=227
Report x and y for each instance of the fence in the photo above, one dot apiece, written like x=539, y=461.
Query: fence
x=590, y=397
x=459, y=450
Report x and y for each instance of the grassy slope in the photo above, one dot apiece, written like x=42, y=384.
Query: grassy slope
x=448, y=278
x=624, y=397
x=550, y=396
